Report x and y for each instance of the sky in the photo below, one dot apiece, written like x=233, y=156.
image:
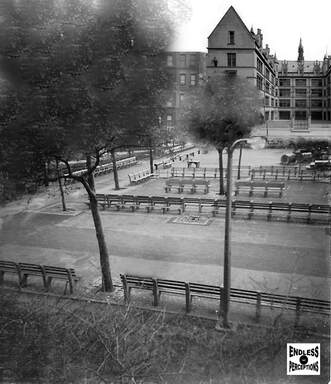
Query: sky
x=283, y=23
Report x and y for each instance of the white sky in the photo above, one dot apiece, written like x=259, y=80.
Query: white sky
x=283, y=22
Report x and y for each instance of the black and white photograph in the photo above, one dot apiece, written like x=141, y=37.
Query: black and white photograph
x=165, y=191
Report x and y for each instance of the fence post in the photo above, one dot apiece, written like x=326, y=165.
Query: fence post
x=126, y=289
x=188, y=297
x=289, y=210
x=309, y=213
x=251, y=206
x=183, y=204
x=269, y=211
x=155, y=293
x=297, y=312
x=276, y=175
x=258, y=307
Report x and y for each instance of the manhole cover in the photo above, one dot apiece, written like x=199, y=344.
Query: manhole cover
x=191, y=219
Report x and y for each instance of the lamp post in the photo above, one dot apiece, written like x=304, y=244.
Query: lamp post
x=225, y=291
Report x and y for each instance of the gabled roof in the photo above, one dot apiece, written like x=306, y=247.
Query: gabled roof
x=231, y=9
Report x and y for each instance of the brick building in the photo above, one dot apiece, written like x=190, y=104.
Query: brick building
x=297, y=94
x=188, y=69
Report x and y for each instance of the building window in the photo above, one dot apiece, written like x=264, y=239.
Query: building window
x=232, y=60
x=300, y=92
x=284, y=103
x=193, y=79
x=284, y=115
x=316, y=103
x=267, y=101
x=316, y=92
x=267, y=73
x=300, y=103
x=300, y=82
x=285, y=93
x=182, y=61
x=231, y=37
x=193, y=60
x=259, y=65
x=300, y=115
x=267, y=87
x=284, y=82
x=169, y=121
x=170, y=61
x=259, y=82
x=181, y=98
x=182, y=79
x=316, y=115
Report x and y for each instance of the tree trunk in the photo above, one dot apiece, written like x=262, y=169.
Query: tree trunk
x=46, y=181
x=220, y=165
x=239, y=164
x=151, y=162
x=113, y=159
x=64, y=208
x=107, y=283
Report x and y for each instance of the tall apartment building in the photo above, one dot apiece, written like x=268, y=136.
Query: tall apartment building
x=233, y=49
x=304, y=90
x=188, y=69
x=296, y=93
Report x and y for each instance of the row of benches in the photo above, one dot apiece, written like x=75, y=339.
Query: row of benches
x=181, y=184
x=141, y=176
x=150, y=203
x=191, y=290
x=164, y=163
x=45, y=272
x=247, y=171
x=198, y=172
x=265, y=187
x=302, y=176
x=105, y=168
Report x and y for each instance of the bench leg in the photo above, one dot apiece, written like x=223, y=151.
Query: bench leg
x=258, y=307
x=156, y=294
x=2, y=273
x=48, y=283
x=188, y=298
x=24, y=281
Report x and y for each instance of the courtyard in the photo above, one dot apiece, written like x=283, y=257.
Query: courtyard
x=275, y=257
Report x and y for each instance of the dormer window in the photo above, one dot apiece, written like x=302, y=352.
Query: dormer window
x=231, y=37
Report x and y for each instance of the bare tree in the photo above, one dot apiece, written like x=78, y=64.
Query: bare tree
x=221, y=111
x=80, y=70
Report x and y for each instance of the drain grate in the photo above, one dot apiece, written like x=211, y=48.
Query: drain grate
x=191, y=220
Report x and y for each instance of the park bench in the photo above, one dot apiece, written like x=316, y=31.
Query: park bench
x=144, y=175
x=9, y=267
x=191, y=290
x=167, y=164
x=45, y=272
x=307, y=212
x=181, y=184
x=265, y=187
x=197, y=202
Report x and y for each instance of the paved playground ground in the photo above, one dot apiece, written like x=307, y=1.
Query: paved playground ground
x=286, y=258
